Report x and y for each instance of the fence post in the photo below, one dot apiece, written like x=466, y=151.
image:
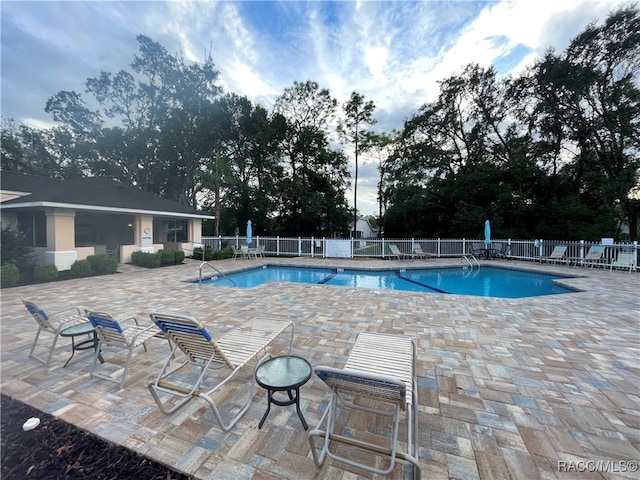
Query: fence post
x=299, y=246
x=278, y=245
x=581, y=252
x=313, y=247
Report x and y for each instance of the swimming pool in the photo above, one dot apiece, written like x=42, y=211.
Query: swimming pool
x=486, y=282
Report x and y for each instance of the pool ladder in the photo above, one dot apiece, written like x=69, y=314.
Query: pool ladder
x=469, y=261
x=220, y=274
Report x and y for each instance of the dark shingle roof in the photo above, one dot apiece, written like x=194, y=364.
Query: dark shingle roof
x=93, y=193
x=20, y=182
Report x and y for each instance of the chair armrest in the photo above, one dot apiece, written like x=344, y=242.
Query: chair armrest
x=80, y=310
x=129, y=319
x=147, y=328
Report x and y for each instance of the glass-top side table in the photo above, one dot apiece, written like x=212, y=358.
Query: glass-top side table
x=77, y=331
x=283, y=374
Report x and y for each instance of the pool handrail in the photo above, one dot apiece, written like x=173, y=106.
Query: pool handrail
x=221, y=274
x=466, y=257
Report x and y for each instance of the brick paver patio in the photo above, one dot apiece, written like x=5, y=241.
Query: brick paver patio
x=509, y=389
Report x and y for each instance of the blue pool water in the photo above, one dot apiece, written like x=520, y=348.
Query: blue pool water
x=486, y=282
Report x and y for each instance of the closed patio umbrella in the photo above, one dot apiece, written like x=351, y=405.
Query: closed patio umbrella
x=487, y=233
x=248, y=231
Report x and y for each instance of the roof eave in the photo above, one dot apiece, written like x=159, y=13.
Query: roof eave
x=99, y=208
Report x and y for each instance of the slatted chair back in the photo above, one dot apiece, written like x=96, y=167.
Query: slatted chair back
x=191, y=337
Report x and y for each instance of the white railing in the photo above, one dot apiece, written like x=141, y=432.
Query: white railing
x=532, y=250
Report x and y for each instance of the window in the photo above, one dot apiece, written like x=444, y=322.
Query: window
x=177, y=231
x=34, y=226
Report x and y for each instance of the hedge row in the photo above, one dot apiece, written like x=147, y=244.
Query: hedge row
x=160, y=258
x=93, y=265
x=210, y=254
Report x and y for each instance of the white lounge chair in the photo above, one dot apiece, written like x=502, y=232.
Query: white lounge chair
x=395, y=252
x=557, y=255
x=379, y=378
x=229, y=353
x=594, y=256
x=127, y=334
x=53, y=323
x=625, y=260
x=418, y=252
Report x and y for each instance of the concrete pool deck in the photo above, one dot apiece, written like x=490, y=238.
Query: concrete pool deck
x=509, y=388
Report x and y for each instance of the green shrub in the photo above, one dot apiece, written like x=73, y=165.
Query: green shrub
x=160, y=258
x=102, y=264
x=178, y=256
x=197, y=253
x=166, y=257
x=144, y=259
x=221, y=254
x=45, y=272
x=81, y=268
x=9, y=275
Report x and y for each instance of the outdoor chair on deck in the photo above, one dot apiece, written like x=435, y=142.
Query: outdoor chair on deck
x=418, y=252
x=478, y=249
x=229, y=353
x=557, y=255
x=499, y=251
x=395, y=252
x=625, y=260
x=53, y=323
x=379, y=378
x=111, y=332
x=594, y=256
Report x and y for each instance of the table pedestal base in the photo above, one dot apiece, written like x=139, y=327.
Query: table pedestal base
x=294, y=398
x=84, y=345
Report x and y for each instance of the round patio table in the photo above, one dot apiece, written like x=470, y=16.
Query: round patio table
x=283, y=374
x=76, y=331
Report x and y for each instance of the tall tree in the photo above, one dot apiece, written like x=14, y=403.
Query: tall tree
x=584, y=118
x=152, y=111
x=358, y=114
x=315, y=176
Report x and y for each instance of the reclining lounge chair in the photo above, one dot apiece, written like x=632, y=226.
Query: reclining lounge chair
x=380, y=372
x=625, y=260
x=418, y=252
x=228, y=354
x=594, y=256
x=395, y=252
x=557, y=255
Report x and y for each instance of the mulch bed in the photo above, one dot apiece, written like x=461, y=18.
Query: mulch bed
x=58, y=450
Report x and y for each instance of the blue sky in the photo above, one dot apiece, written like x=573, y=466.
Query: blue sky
x=393, y=53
